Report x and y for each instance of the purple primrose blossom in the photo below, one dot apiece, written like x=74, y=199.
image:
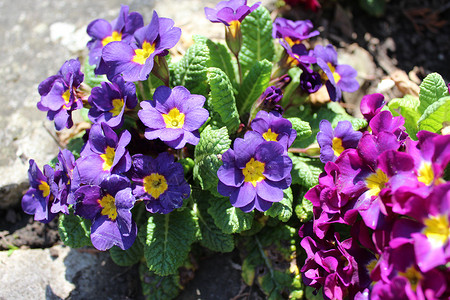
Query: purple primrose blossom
x=135, y=60
x=109, y=206
x=110, y=101
x=254, y=173
x=293, y=32
x=174, y=116
x=59, y=94
x=230, y=12
x=159, y=182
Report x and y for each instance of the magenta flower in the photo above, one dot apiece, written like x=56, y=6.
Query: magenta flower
x=174, y=116
x=103, y=154
x=103, y=32
x=159, y=182
x=333, y=142
x=338, y=77
x=135, y=60
x=110, y=101
x=58, y=94
x=109, y=206
x=371, y=105
x=255, y=173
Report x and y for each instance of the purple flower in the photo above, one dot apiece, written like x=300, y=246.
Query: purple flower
x=230, y=12
x=103, y=154
x=273, y=127
x=298, y=55
x=174, y=116
x=338, y=77
x=110, y=101
x=135, y=61
x=255, y=173
x=333, y=142
x=159, y=182
x=385, y=121
x=62, y=179
x=371, y=105
x=293, y=32
x=310, y=81
x=58, y=94
x=38, y=199
x=104, y=32
x=109, y=206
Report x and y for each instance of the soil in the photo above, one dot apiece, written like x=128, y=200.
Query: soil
x=411, y=35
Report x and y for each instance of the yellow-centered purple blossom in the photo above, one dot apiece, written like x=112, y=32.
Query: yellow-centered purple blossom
x=253, y=172
x=108, y=204
x=155, y=184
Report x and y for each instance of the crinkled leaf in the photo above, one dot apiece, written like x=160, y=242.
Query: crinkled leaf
x=191, y=70
x=257, y=42
x=89, y=76
x=221, y=102
x=74, y=230
x=167, y=240
x=211, y=236
x=435, y=115
x=220, y=58
x=407, y=107
x=303, y=129
x=228, y=218
x=156, y=287
x=305, y=171
x=407, y=101
x=75, y=146
x=283, y=209
x=304, y=210
x=253, y=86
x=213, y=142
x=127, y=257
x=432, y=89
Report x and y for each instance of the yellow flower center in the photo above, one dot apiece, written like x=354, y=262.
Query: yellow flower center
x=66, y=97
x=141, y=55
x=174, y=119
x=426, y=174
x=253, y=171
x=117, y=107
x=45, y=188
x=291, y=42
x=337, y=146
x=234, y=27
x=376, y=182
x=270, y=136
x=108, y=158
x=437, y=229
x=108, y=204
x=336, y=76
x=413, y=276
x=114, y=37
x=155, y=184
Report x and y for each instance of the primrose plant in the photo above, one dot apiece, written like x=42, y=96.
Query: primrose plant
x=217, y=150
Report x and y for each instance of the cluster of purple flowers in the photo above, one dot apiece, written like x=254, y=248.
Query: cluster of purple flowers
x=108, y=179
x=319, y=65
x=388, y=193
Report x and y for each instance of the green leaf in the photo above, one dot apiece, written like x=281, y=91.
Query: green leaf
x=74, y=230
x=294, y=73
x=212, y=237
x=89, y=76
x=303, y=129
x=127, y=257
x=156, y=287
x=254, y=85
x=432, y=89
x=228, y=218
x=167, y=240
x=407, y=101
x=304, y=210
x=305, y=171
x=191, y=70
x=406, y=107
x=221, y=58
x=435, y=115
x=283, y=209
x=257, y=42
x=213, y=142
x=75, y=146
x=221, y=102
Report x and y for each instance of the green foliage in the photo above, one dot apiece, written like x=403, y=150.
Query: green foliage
x=407, y=107
x=221, y=58
x=432, y=89
x=435, y=115
x=167, y=240
x=213, y=142
x=127, y=257
x=304, y=210
x=305, y=171
x=375, y=8
x=254, y=85
x=89, y=76
x=74, y=230
x=211, y=236
x=303, y=129
x=156, y=287
x=75, y=146
x=257, y=42
x=228, y=218
x=221, y=102
x=283, y=209
x=291, y=89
